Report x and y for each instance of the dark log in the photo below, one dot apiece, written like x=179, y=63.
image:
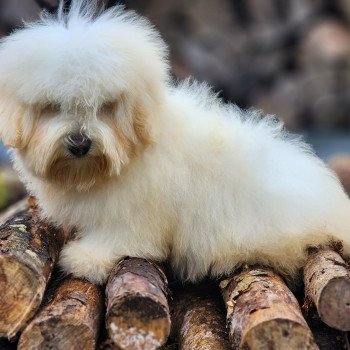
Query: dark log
x=327, y=338
x=327, y=284
x=198, y=320
x=28, y=250
x=262, y=313
x=137, y=307
x=6, y=345
x=71, y=320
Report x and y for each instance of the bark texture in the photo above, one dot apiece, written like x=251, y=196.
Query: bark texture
x=137, y=307
x=28, y=250
x=262, y=313
x=327, y=338
x=71, y=320
x=327, y=284
x=198, y=320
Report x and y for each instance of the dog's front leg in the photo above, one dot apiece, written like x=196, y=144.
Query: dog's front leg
x=91, y=257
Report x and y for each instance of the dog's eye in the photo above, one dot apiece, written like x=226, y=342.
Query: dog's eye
x=107, y=108
x=50, y=109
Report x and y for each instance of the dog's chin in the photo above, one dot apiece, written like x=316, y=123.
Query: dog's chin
x=79, y=174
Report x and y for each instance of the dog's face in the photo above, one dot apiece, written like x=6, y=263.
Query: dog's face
x=78, y=95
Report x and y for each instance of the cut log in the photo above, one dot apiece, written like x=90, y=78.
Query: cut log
x=198, y=320
x=28, y=250
x=137, y=307
x=327, y=338
x=262, y=313
x=71, y=320
x=327, y=284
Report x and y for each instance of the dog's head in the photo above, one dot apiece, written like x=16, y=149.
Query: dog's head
x=79, y=92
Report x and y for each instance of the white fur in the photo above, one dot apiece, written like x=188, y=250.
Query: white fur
x=214, y=188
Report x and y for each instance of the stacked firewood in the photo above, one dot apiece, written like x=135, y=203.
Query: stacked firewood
x=286, y=57
x=137, y=309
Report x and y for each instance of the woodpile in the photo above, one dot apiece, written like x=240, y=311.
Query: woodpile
x=29, y=249
x=75, y=312
x=40, y=308
x=262, y=313
x=137, y=307
x=38, y=311
x=290, y=58
x=198, y=318
x=327, y=284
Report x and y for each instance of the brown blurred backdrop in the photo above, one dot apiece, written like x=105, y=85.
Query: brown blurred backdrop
x=287, y=57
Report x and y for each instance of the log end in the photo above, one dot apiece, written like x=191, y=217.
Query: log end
x=138, y=322
x=70, y=320
x=334, y=303
x=71, y=336
x=279, y=334
x=18, y=285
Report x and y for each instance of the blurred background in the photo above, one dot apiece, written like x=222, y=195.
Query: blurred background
x=286, y=57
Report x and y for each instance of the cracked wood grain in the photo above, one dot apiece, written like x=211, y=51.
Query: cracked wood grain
x=198, y=319
x=262, y=313
x=71, y=320
x=327, y=284
x=29, y=248
x=137, y=307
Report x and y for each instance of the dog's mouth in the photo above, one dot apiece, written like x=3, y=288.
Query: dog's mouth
x=79, y=172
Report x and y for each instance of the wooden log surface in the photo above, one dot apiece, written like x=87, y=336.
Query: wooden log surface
x=137, y=307
x=71, y=320
x=327, y=338
x=198, y=319
x=327, y=284
x=262, y=313
x=28, y=250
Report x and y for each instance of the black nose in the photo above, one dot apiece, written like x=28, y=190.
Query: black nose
x=78, y=144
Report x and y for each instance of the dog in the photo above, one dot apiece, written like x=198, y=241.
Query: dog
x=145, y=167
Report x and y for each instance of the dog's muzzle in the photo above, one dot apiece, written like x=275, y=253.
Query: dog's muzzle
x=78, y=144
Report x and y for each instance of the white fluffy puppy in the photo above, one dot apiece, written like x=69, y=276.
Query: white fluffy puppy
x=143, y=168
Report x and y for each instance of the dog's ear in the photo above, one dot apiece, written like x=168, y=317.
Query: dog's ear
x=11, y=120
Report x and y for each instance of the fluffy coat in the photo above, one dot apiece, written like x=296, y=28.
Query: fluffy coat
x=173, y=173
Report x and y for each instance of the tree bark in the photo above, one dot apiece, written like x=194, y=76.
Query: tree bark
x=198, y=320
x=71, y=320
x=327, y=338
x=262, y=313
x=137, y=307
x=327, y=284
x=28, y=250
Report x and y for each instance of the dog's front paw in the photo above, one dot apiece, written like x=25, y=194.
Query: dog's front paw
x=80, y=261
